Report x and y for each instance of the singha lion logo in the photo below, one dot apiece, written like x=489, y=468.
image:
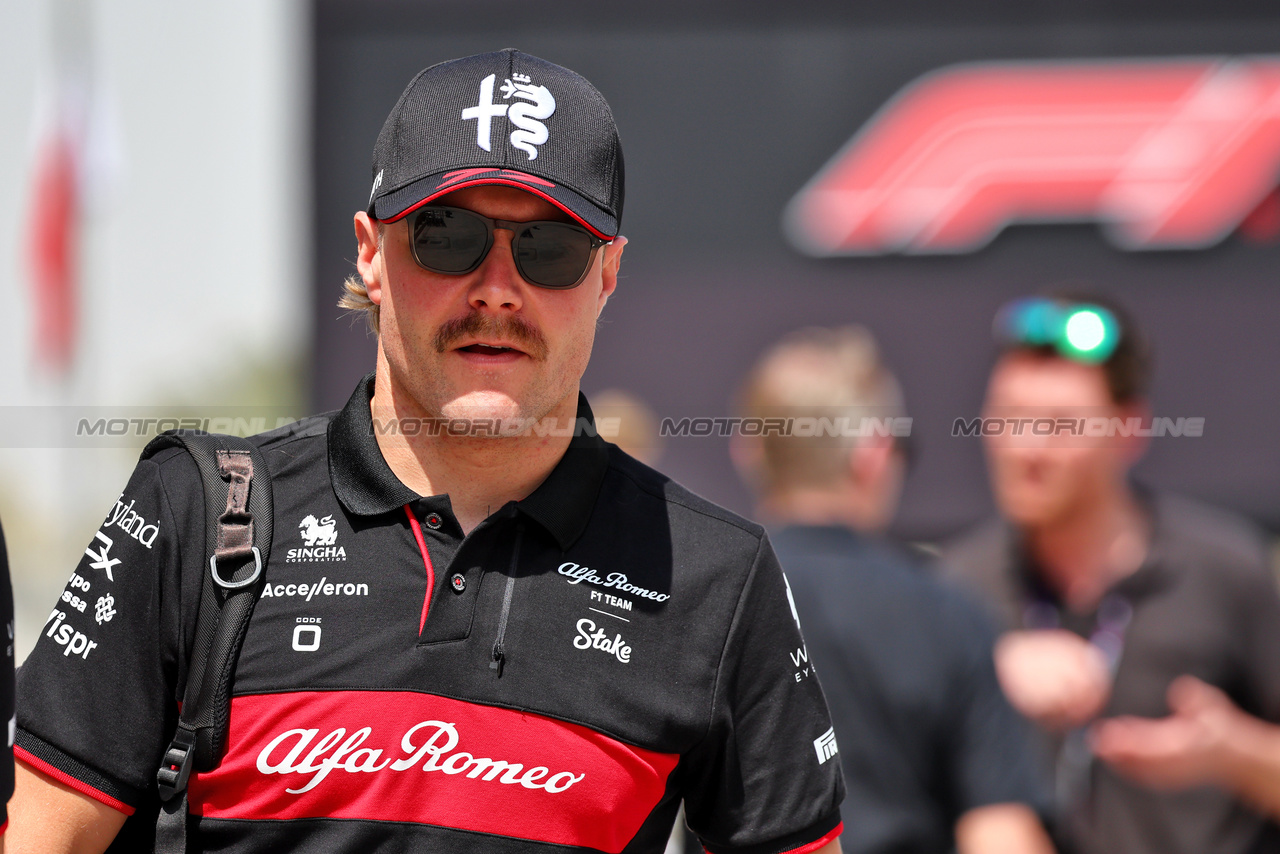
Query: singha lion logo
x=318, y=532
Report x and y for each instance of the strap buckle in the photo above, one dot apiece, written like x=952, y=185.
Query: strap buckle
x=172, y=777
x=236, y=585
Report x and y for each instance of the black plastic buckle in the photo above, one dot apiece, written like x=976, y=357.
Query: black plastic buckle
x=171, y=779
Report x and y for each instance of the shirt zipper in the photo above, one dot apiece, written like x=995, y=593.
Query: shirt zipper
x=499, y=653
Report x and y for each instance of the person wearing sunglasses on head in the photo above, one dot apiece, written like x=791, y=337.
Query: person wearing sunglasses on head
x=482, y=627
x=1109, y=592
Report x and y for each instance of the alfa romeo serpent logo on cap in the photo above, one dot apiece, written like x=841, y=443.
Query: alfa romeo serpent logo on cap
x=537, y=104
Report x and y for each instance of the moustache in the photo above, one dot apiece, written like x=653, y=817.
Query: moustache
x=515, y=330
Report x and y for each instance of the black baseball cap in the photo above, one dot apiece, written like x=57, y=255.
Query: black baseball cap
x=503, y=118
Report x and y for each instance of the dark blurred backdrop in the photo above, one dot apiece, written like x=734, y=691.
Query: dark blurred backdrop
x=725, y=110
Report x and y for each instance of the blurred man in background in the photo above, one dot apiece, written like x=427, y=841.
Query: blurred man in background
x=628, y=422
x=933, y=755
x=1107, y=593
x=1206, y=741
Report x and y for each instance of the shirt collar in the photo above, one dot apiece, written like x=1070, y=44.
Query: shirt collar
x=366, y=486
x=1150, y=577
x=563, y=503
x=362, y=480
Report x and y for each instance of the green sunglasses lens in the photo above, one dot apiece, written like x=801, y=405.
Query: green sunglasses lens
x=1080, y=331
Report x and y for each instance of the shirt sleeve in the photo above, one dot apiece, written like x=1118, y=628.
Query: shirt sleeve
x=1258, y=614
x=97, y=697
x=6, y=686
x=766, y=778
x=990, y=746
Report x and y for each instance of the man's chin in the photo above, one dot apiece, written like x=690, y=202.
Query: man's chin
x=484, y=406
x=1031, y=512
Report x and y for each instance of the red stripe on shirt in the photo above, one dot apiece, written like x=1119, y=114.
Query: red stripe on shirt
x=426, y=562
x=407, y=756
x=818, y=843
x=809, y=847
x=66, y=779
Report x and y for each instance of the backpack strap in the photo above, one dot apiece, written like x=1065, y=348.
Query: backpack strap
x=238, y=513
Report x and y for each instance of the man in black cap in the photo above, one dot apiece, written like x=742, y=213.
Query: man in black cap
x=482, y=628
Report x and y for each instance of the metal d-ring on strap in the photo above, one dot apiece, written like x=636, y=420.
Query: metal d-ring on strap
x=235, y=525
x=232, y=467
x=236, y=585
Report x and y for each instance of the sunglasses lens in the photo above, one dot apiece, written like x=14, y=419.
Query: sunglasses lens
x=1033, y=321
x=1089, y=334
x=1080, y=332
x=553, y=255
x=449, y=240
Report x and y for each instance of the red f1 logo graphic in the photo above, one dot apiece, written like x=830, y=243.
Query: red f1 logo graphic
x=1164, y=154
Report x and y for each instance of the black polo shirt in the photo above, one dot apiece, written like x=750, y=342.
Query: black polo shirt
x=582, y=661
x=6, y=687
x=1203, y=603
x=925, y=734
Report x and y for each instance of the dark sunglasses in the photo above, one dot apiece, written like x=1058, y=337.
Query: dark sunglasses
x=455, y=241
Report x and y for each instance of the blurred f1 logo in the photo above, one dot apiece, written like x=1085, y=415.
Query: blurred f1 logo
x=1166, y=154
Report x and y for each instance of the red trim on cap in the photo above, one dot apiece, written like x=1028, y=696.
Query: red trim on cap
x=506, y=183
x=426, y=561
x=462, y=174
x=4, y=827
x=28, y=758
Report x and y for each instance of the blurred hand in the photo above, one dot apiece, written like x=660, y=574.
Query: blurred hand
x=1054, y=677
x=1008, y=828
x=1190, y=747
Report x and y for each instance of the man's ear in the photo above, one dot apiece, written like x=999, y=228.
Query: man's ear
x=369, y=256
x=870, y=459
x=609, y=269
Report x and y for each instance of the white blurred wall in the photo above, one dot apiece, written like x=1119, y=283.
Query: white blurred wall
x=205, y=213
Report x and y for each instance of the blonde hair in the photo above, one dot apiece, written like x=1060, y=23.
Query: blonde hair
x=355, y=296
x=817, y=373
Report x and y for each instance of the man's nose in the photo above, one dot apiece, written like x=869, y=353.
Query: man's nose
x=499, y=284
